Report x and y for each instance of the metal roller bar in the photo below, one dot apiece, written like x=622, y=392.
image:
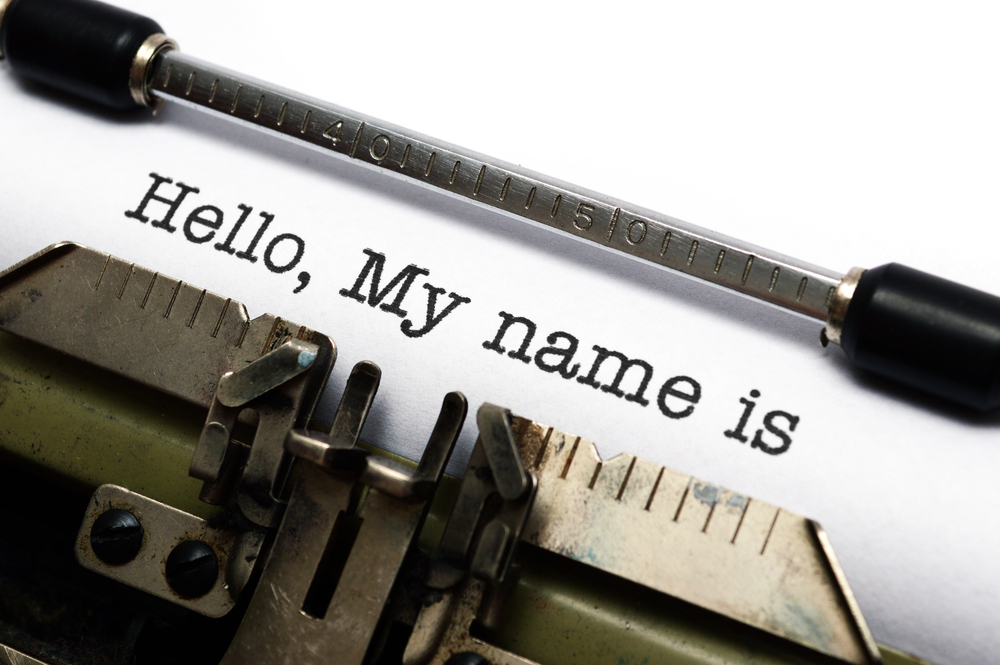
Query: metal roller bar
x=639, y=233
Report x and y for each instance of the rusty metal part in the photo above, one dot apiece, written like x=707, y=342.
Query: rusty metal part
x=158, y=331
x=275, y=387
x=337, y=554
x=672, y=534
x=473, y=540
x=717, y=549
x=164, y=528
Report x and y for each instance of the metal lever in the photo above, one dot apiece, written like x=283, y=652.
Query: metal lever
x=256, y=473
x=339, y=548
x=476, y=538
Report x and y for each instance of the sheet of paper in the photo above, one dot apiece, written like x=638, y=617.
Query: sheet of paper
x=847, y=134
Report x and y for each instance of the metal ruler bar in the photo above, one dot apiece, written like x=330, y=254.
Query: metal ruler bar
x=639, y=233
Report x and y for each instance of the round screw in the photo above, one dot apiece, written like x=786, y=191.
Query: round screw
x=192, y=569
x=467, y=658
x=116, y=536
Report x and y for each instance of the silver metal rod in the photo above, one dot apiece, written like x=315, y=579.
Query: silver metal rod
x=639, y=233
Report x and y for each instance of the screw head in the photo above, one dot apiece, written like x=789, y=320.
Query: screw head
x=116, y=536
x=192, y=569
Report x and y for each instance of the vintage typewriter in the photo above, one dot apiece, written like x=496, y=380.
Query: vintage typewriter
x=172, y=497
x=168, y=498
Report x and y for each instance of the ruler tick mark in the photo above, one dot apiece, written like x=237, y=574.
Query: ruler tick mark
x=774, y=278
x=708, y=519
x=236, y=99
x=770, y=531
x=218, y=324
x=128, y=274
x=271, y=335
x=215, y=89
x=746, y=270
x=101, y=276
x=802, y=289
x=479, y=180
x=305, y=122
x=170, y=306
x=531, y=198
x=190, y=85
x=597, y=472
x=666, y=242
x=281, y=114
x=683, y=499
x=718, y=261
x=166, y=77
x=694, y=250
x=260, y=105
x=555, y=206
x=243, y=334
x=357, y=139
x=406, y=156
x=430, y=164
x=503, y=190
x=569, y=459
x=656, y=486
x=542, y=449
x=197, y=307
x=740, y=523
x=454, y=172
x=149, y=290
x=628, y=474
x=829, y=296
x=614, y=223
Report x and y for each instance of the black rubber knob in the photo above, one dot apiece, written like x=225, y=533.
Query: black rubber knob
x=80, y=46
x=926, y=332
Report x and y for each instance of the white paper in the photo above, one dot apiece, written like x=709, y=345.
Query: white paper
x=847, y=134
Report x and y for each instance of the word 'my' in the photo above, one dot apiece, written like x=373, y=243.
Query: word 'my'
x=401, y=283
x=281, y=253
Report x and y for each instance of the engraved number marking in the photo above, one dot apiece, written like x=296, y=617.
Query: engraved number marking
x=332, y=132
x=636, y=232
x=379, y=147
x=583, y=219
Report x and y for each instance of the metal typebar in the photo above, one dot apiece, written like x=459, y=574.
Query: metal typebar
x=637, y=232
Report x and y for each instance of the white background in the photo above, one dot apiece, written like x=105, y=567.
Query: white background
x=847, y=134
